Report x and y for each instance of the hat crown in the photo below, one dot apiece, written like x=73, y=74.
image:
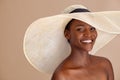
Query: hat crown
x=75, y=8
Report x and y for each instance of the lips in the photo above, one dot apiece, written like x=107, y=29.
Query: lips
x=87, y=41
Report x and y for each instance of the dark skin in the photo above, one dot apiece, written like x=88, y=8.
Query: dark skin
x=80, y=65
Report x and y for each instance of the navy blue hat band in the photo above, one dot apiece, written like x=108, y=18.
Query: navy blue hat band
x=79, y=10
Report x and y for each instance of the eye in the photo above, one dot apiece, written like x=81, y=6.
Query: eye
x=92, y=29
x=80, y=28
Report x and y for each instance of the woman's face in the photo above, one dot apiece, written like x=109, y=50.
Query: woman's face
x=81, y=35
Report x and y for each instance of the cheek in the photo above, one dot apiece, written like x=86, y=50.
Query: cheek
x=94, y=36
x=76, y=37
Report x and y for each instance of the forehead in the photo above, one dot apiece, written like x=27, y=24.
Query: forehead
x=78, y=22
x=75, y=23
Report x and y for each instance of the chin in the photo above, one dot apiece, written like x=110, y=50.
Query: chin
x=88, y=49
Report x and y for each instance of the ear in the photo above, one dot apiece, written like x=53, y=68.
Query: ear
x=67, y=34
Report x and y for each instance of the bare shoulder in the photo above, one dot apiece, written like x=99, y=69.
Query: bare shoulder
x=61, y=71
x=103, y=60
x=58, y=75
x=106, y=64
x=108, y=67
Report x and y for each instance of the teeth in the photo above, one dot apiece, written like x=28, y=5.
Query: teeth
x=87, y=41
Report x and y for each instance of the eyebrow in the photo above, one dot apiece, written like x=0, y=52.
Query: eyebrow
x=80, y=25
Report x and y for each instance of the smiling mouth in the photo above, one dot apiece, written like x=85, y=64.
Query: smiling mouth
x=87, y=41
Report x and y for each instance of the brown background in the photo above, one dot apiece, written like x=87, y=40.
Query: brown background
x=17, y=15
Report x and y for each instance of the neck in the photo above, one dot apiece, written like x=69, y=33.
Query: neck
x=79, y=57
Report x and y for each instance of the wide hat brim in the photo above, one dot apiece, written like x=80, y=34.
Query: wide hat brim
x=45, y=46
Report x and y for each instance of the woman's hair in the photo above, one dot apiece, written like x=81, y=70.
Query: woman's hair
x=68, y=25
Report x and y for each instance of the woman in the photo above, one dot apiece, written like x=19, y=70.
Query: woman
x=65, y=53
x=80, y=65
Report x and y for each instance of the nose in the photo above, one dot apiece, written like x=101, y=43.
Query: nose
x=87, y=33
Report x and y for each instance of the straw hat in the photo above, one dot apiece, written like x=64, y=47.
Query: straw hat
x=45, y=46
